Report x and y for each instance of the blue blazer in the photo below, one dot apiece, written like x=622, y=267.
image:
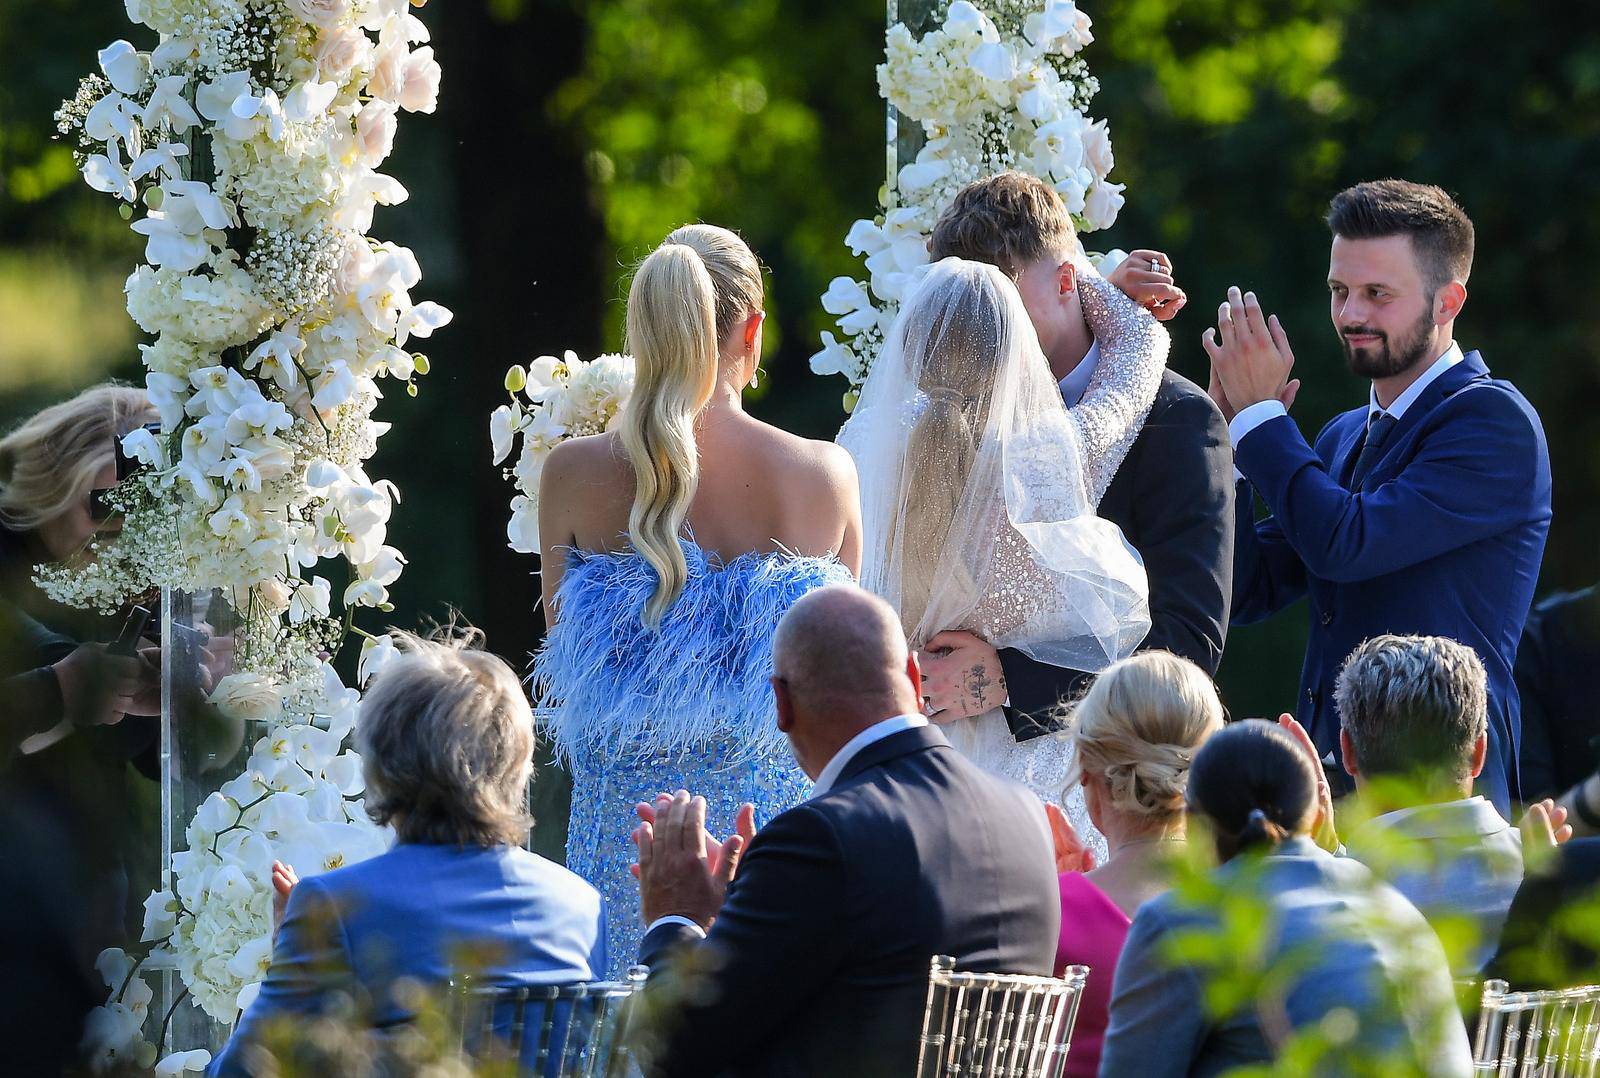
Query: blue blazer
x=1443, y=538
x=414, y=912
x=1314, y=913
x=819, y=955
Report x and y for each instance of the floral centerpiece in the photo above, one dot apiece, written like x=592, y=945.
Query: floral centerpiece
x=993, y=88
x=552, y=400
x=245, y=146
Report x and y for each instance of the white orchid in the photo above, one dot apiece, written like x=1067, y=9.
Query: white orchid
x=194, y=1061
x=125, y=67
x=275, y=357
x=310, y=600
x=162, y=159
x=420, y=321
x=114, y=118
x=169, y=106
x=104, y=173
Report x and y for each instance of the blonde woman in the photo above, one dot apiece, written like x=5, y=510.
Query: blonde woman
x=1136, y=732
x=52, y=470
x=671, y=547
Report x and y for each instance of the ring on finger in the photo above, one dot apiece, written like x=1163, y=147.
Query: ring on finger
x=1155, y=265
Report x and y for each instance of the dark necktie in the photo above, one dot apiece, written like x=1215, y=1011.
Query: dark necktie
x=1377, y=434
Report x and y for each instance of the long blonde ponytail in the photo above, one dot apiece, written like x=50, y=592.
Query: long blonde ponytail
x=672, y=333
x=685, y=297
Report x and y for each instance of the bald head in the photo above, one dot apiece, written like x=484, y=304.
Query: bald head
x=840, y=639
x=841, y=665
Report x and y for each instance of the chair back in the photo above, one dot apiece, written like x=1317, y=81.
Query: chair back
x=997, y=1025
x=1549, y=1034
x=552, y=1031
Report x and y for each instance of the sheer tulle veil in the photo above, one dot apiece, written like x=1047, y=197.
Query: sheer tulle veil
x=974, y=503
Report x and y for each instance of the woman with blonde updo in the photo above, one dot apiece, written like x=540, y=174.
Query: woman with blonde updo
x=670, y=547
x=1136, y=732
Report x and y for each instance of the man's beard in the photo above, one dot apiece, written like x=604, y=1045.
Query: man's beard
x=1382, y=361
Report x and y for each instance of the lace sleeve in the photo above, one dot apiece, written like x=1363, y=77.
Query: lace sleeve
x=1133, y=351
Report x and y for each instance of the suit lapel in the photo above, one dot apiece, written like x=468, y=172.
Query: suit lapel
x=895, y=745
x=1470, y=369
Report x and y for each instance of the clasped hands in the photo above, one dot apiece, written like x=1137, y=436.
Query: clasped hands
x=683, y=870
x=1250, y=356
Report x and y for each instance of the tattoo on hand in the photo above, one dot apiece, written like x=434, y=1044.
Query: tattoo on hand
x=978, y=682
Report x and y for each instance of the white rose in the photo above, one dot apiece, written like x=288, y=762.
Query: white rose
x=273, y=594
x=324, y=14
x=419, y=91
x=247, y=696
x=375, y=127
x=389, y=72
x=340, y=51
x=1097, y=149
x=1101, y=206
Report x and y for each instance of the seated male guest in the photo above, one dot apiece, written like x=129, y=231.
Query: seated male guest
x=447, y=740
x=1413, y=713
x=816, y=954
x=1548, y=940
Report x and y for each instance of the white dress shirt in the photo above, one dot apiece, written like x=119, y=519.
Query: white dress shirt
x=824, y=783
x=1256, y=414
x=1076, y=383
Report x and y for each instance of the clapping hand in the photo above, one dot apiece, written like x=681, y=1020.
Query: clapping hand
x=675, y=872
x=1250, y=356
x=284, y=879
x=1146, y=278
x=1323, y=832
x=1072, y=853
x=744, y=826
x=1544, y=827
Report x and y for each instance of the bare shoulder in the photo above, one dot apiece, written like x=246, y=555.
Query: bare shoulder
x=812, y=460
x=593, y=460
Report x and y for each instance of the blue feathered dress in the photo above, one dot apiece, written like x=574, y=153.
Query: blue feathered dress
x=632, y=712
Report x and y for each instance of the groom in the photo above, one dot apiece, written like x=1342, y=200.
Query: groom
x=1422, y=512
x=1173, y=495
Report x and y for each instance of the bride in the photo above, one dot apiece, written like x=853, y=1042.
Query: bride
x=978, y=488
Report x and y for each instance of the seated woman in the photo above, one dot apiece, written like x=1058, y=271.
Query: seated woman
x=446, y=736
x=1136, y=732
x=1307, y=946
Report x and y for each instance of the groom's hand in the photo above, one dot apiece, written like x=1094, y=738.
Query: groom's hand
x=1250, y=355
x=961, y=676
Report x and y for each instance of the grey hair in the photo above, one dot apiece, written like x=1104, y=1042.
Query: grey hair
x=840, y=639
x=446, y=736
x=1413, y=702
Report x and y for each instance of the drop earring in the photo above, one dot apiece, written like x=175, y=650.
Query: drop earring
x=755, y=377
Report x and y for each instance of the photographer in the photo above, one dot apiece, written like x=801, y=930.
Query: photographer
x=53, y=470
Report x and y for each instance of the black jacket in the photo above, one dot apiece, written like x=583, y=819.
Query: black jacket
x=1173, y=500
x=818, y=961
x=1555, y=666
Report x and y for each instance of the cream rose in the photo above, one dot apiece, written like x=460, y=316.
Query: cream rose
x=419, y=90
x=324, y=14
x=375, y=127
x=340, y=51
x=1097, y=149
x=247, y=696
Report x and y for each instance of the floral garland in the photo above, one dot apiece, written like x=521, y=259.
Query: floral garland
x=996, y=90
x=552, y=400
x=244, y=148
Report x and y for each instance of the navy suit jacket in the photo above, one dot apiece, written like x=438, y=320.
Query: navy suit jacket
x=818, y=961
x=1443, y=538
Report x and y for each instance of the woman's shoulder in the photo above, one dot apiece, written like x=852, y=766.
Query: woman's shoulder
x=820, y=461
x=588, y=458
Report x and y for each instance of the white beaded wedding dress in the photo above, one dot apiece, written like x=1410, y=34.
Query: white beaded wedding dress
x=978, y=488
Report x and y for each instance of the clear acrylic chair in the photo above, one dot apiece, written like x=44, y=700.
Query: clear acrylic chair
x=555, y=1031
x=997, y=1025
x=1551, y=1034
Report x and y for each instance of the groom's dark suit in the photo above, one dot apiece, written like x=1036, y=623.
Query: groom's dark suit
x=1173, y=500
x=1442, y=536
x=819, y=957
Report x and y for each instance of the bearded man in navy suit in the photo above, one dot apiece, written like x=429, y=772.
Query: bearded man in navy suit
x=1422, y=512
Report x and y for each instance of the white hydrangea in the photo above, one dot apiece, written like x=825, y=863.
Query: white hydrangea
x=552, y=400
x=217, y=311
